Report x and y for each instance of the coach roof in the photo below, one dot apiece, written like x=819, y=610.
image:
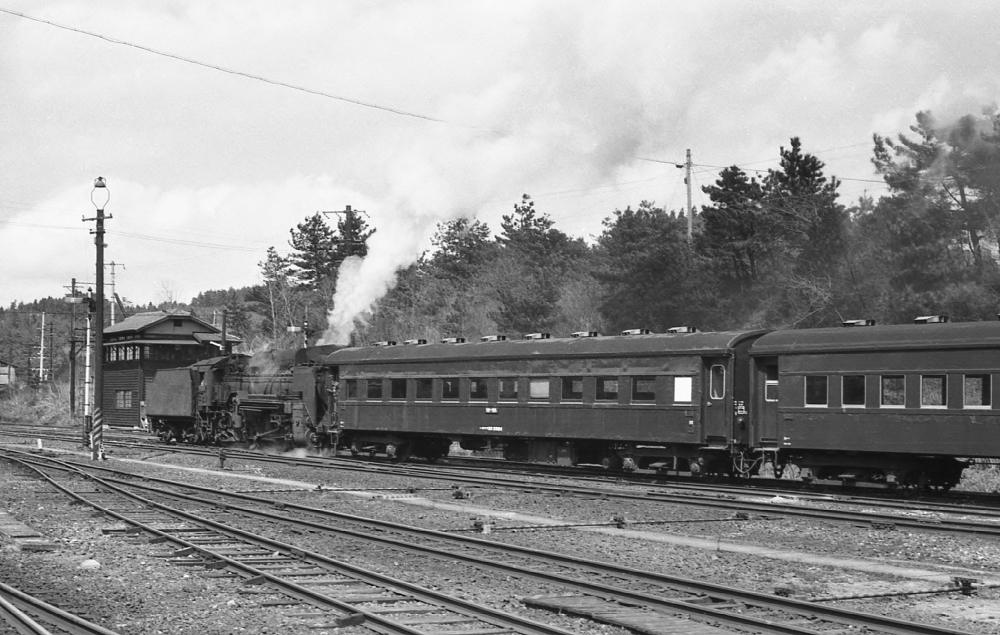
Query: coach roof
x=895, y=337
x=612, y=346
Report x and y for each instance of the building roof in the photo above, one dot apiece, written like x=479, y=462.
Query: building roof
x=954, y=335
x=611, y=346
x=143, y=321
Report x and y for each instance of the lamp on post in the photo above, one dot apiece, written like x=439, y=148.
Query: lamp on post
x=99, y=196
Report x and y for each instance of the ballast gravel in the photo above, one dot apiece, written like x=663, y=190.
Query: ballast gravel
x=135, y=592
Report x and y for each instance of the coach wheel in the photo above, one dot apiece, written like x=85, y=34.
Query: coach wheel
x=613, y=462
x=404, y=452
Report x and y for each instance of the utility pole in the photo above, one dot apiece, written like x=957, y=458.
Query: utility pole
x=41, y=353
x=74, y=298
x=348, y=227
x=686, y=166
x=113, y=294
x=52, y=357
x=72, y=351
x=88, y=419
x=102, y=195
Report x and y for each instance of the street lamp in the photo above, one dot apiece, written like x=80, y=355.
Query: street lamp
x=99, y=196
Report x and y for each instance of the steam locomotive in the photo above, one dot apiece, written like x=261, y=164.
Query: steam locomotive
x=905, y=404
x=279, y=397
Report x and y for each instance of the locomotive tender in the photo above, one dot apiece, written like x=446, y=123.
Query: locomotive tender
x=906, y=404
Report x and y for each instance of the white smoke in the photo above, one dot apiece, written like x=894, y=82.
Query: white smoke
x=564, y=115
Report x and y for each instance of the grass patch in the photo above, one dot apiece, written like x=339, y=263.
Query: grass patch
x=47, y=405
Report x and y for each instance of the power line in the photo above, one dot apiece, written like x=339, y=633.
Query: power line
x=188, y=60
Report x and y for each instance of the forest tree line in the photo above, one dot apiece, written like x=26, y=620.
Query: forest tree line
x=773, y=249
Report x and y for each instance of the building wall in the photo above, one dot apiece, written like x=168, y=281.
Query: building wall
x=122, y=392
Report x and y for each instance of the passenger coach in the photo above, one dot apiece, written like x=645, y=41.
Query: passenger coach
x=677, y=399
x=904, y=404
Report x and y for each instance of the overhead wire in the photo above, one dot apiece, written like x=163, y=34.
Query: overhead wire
x=231, y=71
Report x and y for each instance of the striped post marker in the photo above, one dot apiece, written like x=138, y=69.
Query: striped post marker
x=97, y=436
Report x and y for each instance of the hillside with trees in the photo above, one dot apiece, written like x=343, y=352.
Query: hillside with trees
x=774, y=249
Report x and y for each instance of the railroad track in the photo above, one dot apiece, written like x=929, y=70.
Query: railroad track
x=876, y=512
x=28, y=615
x=340, y=594
x=596, y=589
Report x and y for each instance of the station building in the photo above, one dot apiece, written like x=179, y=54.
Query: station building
x=140, y=345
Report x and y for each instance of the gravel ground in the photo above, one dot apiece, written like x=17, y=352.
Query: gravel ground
x=134, y=592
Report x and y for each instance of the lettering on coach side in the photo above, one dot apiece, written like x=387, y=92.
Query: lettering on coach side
x=491, y=428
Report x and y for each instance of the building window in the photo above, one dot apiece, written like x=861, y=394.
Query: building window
x=123, y=399
x=853, y=390
x=643, y=389
x=145, y=352
x=374, y=389
x=893, y=391
x=933, y=391
x=572, y=388
x=539, y=388
x=816, y=390
x=683, y=389
x=977, y=391
x=449, y=388
x=478, y=389
x=508, y=388
x=607, y=389
x=352, y=388
x=718, y=387
x=397, y=388
x=425, y=389
x=771, y=382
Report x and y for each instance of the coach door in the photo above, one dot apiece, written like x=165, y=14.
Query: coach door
x=765, y=410
x=715, y=397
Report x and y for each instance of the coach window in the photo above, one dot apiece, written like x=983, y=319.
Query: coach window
x=538, y=388
x=893, y=391
x=607, y=389
x=933, y=391
x=397, y=388
x=374, y=389
x=816, y=390
x=643, y=389
x=449, y=388
x=853, y=390
x=977, y=391
x=771, y=382
x=572, y=388
x=683, y=389
x=425, y=389
x=352, y=388
x=508, y=388
x=477, y=389
x=718, y=386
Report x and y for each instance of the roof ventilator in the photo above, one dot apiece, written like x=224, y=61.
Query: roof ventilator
x=412, y=342
x=493, y=338
x=537, y=336
x=931, y=319
x=682, y=329
x=386, y=343
x=453, y=340
x=586, y=334
x=864, y=322
x=636, y=332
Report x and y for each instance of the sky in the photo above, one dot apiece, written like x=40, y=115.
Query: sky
x=219, y=126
